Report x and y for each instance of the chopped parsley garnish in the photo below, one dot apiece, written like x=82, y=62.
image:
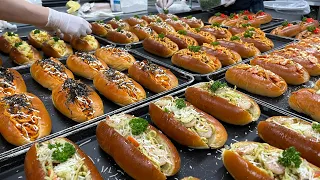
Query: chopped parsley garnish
x=316, y=127
x=56, y=39
x=161, y=35
x=100, y=22
x=117, y=18
x=189, y=17
x=36, y=31
x=217, y=14
x=251, y=29
x=304, y=19
x=259, y=12
x=138, y=125
x=17, y=44
x=194, y=48
x=290, y=158
x=62, y=152
x=232, y=15
x=216, y=24
x=286, y=23
x=216, y=85
x=183, y=32
x=197, y=29
x=311, y=28
x=245, y=18
x=241, y=12
x=180, y=103
x=165, y=11
x=248, y=34
x=246, y=25
x=11, y=34
x=158, y=21
x=175, y=19
x=216, y=43
x=233, y=38
x=166, y=110
x=137, y=16
x=119, y=29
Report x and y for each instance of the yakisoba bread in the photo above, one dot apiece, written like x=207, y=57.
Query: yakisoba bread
x=306, y=101
x=8, y=40
x=151, y=18
x=231, y=20
x=287, y=29
x=252, y=160
x=239, y=28
x=132, y=21
x=258, y=38
x=59, y=158
x=11, y=82
x=138, y=148
x=24, y=118
x=152, y=76
x=263, y=17
x=245, y=50
x=22, y=53
x=187, y=124
x=100, y=28
x=193, y=22
x=161, y=27
x=284, y=132
x=223, y=102
x=85, y=64
x=177, y=24
x=196, y=60
x=117, y=22
x=142, y=32
x=37, y=37
x=256, y=80
x=160, y=45
x=116, y=58
x=50, y=72
x=290, y=71
x=216, y=30
x=305, y=59
x=226, y=56
x=165, y=16
x=86, y=43
x=200, y=36
x=310, y=32
x=122, y=36
x=217, y=18
x=56, y=48
x=118, y=87
x=308, y=22
x=250, y=19
x=306, y=46
x=77, y=101
x=181, y=39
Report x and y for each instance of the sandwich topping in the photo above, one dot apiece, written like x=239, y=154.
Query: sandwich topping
x=165, y=41
x=138, y=132
x=26, y=49
x=91, y=60
x=177, y=21
x=297, y=53
x=59, y=160
x=53, y=67
x=78, y=93
x=123, y=82
x=164, y=25
x=257, y=35
x=128, y=34
x=7, y=86
x=275, y=59
x=118, y=52
x=58, y=45
x=199, y=55
x=40, y=36
x=22, y=114
x=189, y=117
x=188, y=40
x=12, y=38
x=145, y=29
x=278, y=164
x=91, y=40
x=119, y=22
x=220, y=49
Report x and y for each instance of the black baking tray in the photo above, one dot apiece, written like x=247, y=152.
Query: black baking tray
x=277, y=40
x=204, y=164
x=62, y=124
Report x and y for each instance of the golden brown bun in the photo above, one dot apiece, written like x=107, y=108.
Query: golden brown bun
x=305, y=47
x=152, y=76
x=275, y=134
x=15, y=81
x=123, y=37
x=263, y=17
x=221, y=108
x=177, y=24
x=8, y=124
x=7, y=42
x=108, y=84
x=129, y=158
x=49, y=51
x=142, y=32
x=307, y=34
x=291, y=72
x=167, y=123
x=19, y=58
x=100, y=29
x=119, y=24
x=236, y=30
x=34, y=169
x=65, y=99
x=181, y=40
x=201, y=37
x=263, y=46
x=164, y=16
x=309, y=22
x=162, y=27
x=218, y=18
x=245, y=50
x=193, y=22
x=231, y=21
x=151, y=18
x=37, y=39
x=190, y=178
x=218, y=32
x=226, y=56
x=87, y=43
x=85, y=65
x=162, y=47
x=288, y=31
x=204, y=64
x=306, y=101
x=256, y=80
x=132, y=21
x=317, y=85
x=56, y=74
x=116, y=58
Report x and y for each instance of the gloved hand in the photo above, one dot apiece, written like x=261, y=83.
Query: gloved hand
x=68, y=24
x=164, y=4
x=228, y=2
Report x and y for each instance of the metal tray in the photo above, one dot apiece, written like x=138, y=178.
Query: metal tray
x=62, y=124
x=204, y=164
x=277, y=40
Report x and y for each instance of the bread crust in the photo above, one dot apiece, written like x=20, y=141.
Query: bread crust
x=142, y=31
x=5, y=45
x=100, y=29
x=154, y=47
x=200, y=38
x=129, y=158
x=34, y=42
x=305, y=25
x=151, y=18
x=50, y=52
x=33, y=168
x=241, y=48
x=17, y=82
x=83, y=45
x=11, y=133
x=217, y=19
x=263, y=18
x=219, y=33
x=159, y=29
x=164, y=16
x=132, y=21
x=248, y=80
x=193, y=23
x=261, y=45
x=182, y=41
x=225, y=59
x=118, y=37
x=178, y=25
x=122, y=24
x=288, y=31
x=19, y=58
x=283, y=138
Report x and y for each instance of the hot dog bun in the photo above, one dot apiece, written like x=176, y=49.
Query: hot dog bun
x=217, y=18
x=217, y=31
x=181, y=40
x=56, y=48
x=287, y=29
x=8, y=40
x=142, y=32
x=11, y=82
x=36, y=38
x=118, y=23
x=132, y=21
x=23, y=53
x=122, y=36
x=161, y=27
x=193, y=22
x=160, y=45
x=100, y=28
x=86, y=43
x=245, y=50
x=201, y=36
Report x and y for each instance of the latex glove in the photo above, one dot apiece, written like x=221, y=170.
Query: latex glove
x=68, y=24
x=164, y=4
x=228, y=2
